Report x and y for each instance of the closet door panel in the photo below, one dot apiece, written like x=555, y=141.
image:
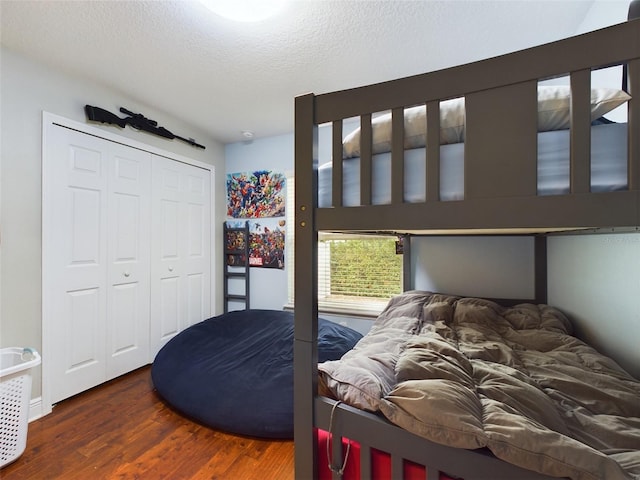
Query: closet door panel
x=83, y=349
x=167, y=319
x=129, y=259
x=196, y=299
x=197, y=243
x=169, y=236
x=78, y=175
x=85, y=217
x=82, y=198
x=180, y=267
x=124, y=335
x=167, y=306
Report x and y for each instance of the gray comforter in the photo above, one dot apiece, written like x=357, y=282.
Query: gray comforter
x=469, y=373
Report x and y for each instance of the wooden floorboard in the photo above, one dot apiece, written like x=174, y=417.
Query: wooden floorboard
x=123, y=430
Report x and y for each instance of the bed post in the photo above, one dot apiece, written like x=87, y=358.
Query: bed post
x=633, y=121
x=634, y=12
x=540, y=268
x=305, y=349
x=407, y=266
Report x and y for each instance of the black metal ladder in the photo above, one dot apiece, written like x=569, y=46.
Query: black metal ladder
x=236, y=263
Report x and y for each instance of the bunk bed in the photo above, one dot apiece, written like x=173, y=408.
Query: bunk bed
x=500, y=193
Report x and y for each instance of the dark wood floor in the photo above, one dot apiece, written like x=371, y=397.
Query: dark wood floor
x=122, y=430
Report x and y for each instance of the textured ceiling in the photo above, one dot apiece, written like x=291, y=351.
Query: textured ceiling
x=226, y=77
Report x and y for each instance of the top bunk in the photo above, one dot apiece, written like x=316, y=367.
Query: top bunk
x=480, y=157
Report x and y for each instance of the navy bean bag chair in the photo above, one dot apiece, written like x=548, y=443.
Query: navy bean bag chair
x=234, y=372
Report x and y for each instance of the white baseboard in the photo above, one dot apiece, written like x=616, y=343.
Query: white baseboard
x=35, y=409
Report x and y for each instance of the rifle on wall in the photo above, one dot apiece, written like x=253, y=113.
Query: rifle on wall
x=136, y=121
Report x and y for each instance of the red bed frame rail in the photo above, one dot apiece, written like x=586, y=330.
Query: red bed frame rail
x=380, y=463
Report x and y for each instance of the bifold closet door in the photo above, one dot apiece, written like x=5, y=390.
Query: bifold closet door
x=99, y=260
x=181, y=249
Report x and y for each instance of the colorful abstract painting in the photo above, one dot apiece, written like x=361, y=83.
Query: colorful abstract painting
x=257, y=194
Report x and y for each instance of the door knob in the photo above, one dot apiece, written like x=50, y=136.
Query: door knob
x=126, y=274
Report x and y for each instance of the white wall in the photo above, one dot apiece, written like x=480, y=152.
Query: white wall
x=28, y=89
x=498, y=267
x=604, y=13
x=595, y=280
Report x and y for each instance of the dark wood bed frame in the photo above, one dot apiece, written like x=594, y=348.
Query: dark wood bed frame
x=493, y=204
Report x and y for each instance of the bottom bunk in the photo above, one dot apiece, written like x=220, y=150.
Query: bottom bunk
x=478, y=391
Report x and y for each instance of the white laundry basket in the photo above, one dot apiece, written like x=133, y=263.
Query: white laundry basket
x=15, y=395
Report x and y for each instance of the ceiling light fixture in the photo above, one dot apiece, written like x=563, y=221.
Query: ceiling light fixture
x=244, y=10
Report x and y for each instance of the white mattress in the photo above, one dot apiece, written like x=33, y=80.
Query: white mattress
x=608, y=169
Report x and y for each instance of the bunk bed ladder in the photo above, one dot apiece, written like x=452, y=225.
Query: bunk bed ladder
x=236, y=264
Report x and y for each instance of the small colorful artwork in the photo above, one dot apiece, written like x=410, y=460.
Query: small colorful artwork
x=266, y=246
x=266, y=243
x=238, y=260
x=257, y=194
x=235, y=241
x=235, y=246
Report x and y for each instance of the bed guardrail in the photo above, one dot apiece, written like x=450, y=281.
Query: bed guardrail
x=343, y=421
x=506, y=87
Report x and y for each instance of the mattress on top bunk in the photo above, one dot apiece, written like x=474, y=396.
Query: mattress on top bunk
x=470, y=373
x=608, y=169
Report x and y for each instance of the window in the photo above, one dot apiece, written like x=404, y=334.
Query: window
x=356, y=273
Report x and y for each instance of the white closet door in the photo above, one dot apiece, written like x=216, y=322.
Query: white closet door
x=129, y=254
x=197, y=245
x=79, y=262
x=181, y=252
x=97, y=230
